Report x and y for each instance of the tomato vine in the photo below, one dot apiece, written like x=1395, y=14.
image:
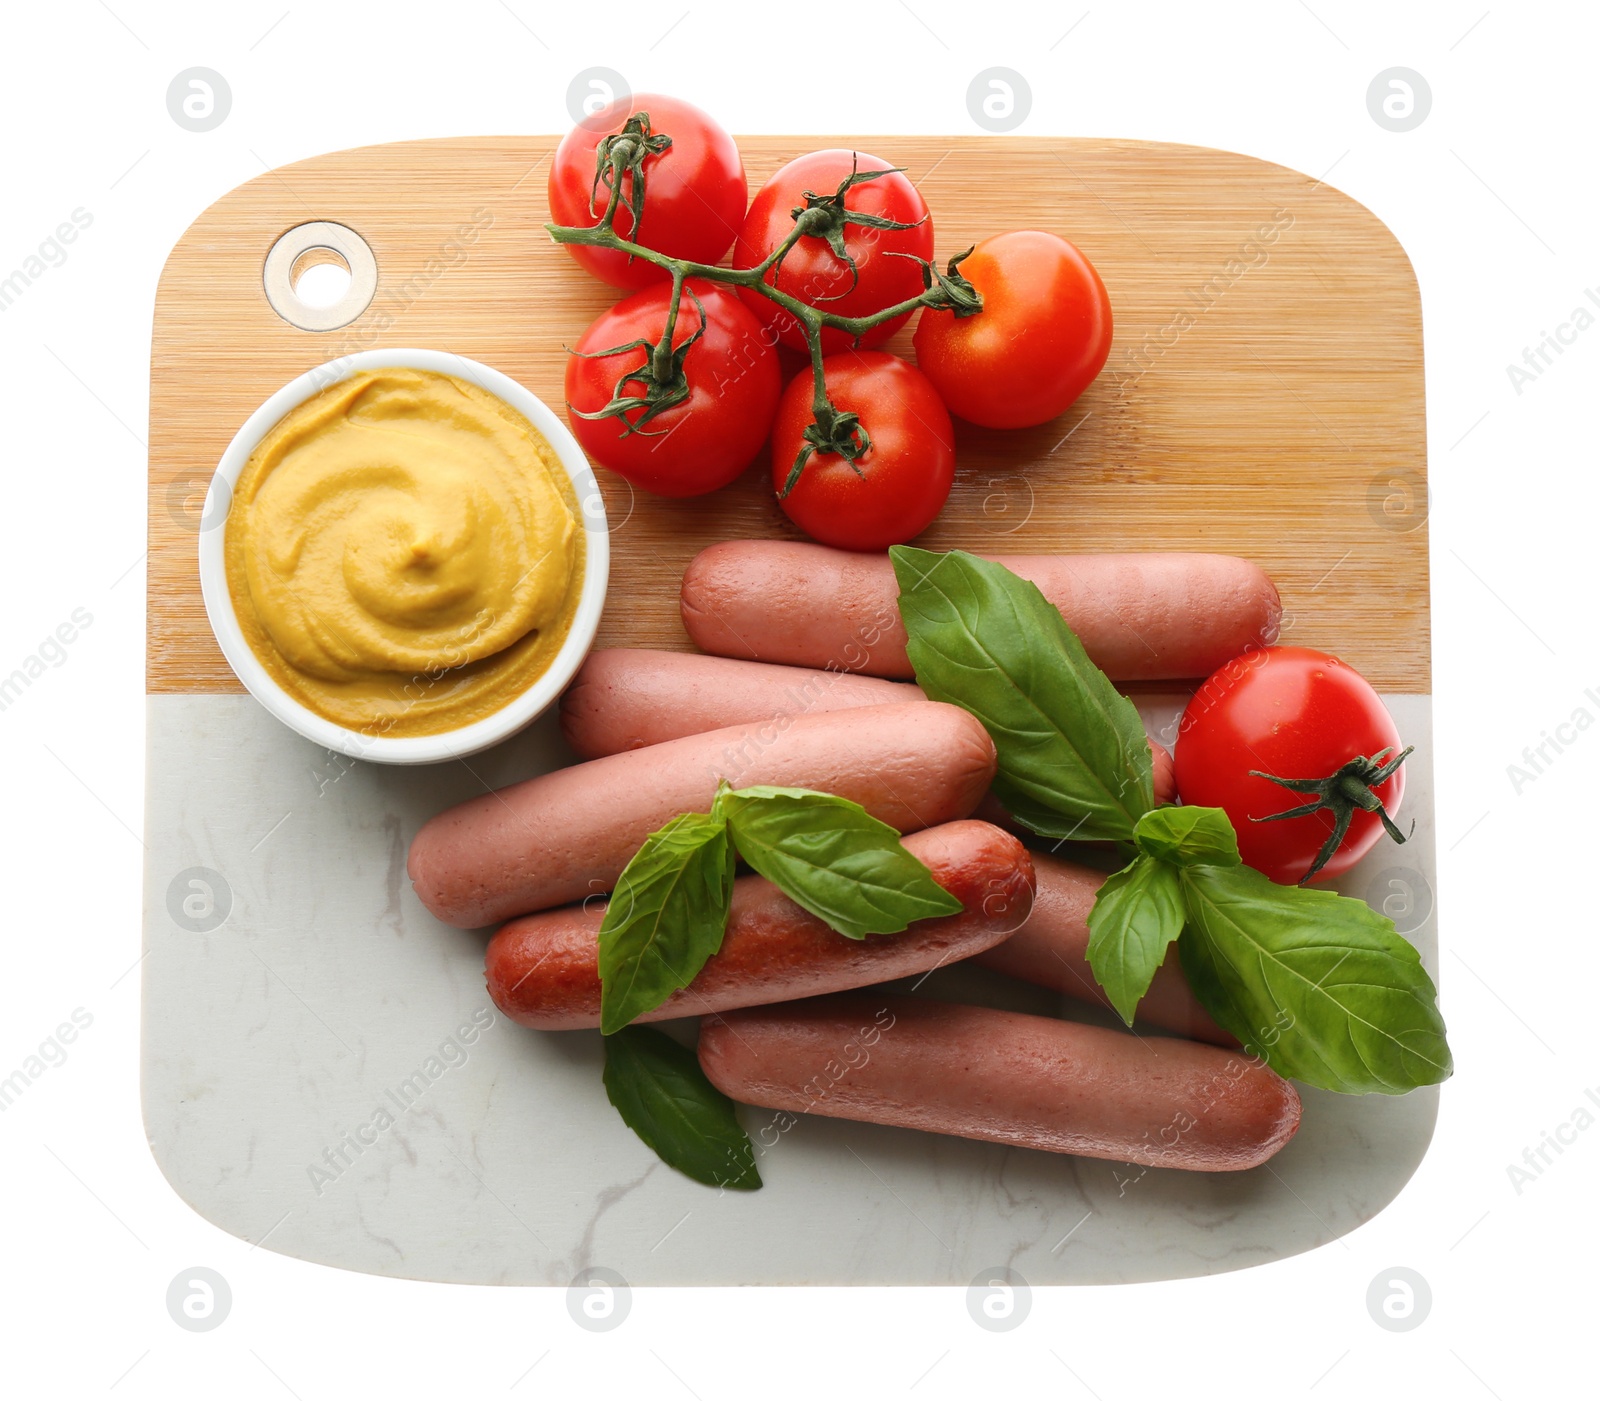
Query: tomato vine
x=620, y=162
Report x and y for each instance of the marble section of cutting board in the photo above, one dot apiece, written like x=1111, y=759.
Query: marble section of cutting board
x=279, y=1040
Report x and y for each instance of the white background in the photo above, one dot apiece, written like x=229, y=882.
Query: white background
x=1494, y=197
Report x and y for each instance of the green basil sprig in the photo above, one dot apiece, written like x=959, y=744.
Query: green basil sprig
x=670, y=908
x=663, y=1096
x=1137, y=913
x=1141, y=909
x=668, y=915
x=1321, y=987
x=1074, y=760
x=1188, y=836
x=665, y=918
x=833, y=858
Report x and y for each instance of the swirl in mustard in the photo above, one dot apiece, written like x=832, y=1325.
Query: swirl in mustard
x=404, y=553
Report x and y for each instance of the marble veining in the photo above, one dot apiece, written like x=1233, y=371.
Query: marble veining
x=324, y=1068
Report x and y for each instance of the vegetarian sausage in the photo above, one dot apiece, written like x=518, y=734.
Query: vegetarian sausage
x=1141, y=617
x=567, y=835
x=626, y=697
x=1051, y=950
x=1005, y=1077
x=543, y=969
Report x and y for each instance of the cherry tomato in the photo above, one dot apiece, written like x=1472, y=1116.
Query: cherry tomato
x=694, y=190
x=893, y=491
x=1296, y=714
x=811, y=270
x=1042, y=336
x=731, y=374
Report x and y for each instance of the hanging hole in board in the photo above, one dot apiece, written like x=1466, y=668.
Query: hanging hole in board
x=320, y=276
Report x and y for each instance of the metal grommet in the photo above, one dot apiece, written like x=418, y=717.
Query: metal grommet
x=288, y=258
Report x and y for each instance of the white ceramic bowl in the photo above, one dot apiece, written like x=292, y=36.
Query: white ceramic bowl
x=411, y=749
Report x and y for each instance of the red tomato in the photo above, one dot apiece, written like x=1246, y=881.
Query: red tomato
x=1297, y=714
x=694, y=190
x=892, y=491
x=810, y=270
x=1042, y=336
x=732, y=379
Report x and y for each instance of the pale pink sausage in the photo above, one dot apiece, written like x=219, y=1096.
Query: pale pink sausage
x=626, y=697
x=1032, y=1082
x=1141, y=617
x=1051, y=950
x=567, y=835
x=543, y=970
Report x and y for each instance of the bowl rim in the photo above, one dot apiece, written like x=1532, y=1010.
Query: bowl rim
x=523, y=708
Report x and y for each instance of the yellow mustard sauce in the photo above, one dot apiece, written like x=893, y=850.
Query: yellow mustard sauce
x=404, y=553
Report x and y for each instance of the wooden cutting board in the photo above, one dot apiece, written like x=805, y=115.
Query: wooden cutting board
x=1263, y=398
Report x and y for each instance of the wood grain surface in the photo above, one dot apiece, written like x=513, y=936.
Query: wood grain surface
x=1263, y=398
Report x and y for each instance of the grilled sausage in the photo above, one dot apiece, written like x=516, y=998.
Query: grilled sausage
x=1141, y=617
x=1051, y=950
x=567, y=835
x=543, y=969
x=626, y=697
x=1005, y=1077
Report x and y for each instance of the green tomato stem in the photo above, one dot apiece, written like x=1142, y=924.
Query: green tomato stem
x=830, y=430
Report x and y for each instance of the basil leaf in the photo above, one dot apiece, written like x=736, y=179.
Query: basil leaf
x=1188, y=836
x=665, y=918
x=1074, y=760
x=1137, y=913
x=664, y=1097
x=1320, y=986
x=833, y=858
